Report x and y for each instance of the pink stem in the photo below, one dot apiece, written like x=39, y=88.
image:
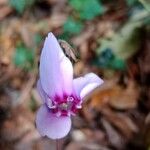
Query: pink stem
x=57, y=144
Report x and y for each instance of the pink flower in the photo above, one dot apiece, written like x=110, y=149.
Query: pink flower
x=61, y=94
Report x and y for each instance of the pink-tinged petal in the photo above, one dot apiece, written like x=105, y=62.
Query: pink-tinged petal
x=43, y=95
x=50, y=66
x=87, y=89
x=40, y=91
x=51, y=126
x=53, y=65
x=84, y=85
x=67, y=75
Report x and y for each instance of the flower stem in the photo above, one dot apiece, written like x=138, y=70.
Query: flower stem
x=57, y=144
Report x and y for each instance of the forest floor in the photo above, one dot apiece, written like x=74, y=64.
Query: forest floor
x=111, y=39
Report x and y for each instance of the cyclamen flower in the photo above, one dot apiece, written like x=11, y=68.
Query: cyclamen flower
x=61, y=94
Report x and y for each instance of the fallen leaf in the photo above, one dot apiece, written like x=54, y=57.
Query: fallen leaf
x=147, y=130
x=113, y=136
x=4, y=11
x=116, y=96
x=85, y=146
x=17, y=125
x=125, y=98
x=122, y=122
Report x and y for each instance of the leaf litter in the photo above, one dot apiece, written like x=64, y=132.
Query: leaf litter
x=116, y=115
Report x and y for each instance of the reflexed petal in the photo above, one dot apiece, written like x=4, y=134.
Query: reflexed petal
x=87, y=89
x=84, y=85
x=53, y=65
x=51, y=126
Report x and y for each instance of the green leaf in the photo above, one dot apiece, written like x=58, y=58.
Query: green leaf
x=72, y=26
x=76, y=4
x=21, y=5
x=108, y=60
x=87, y=9
x=146, y=4
x=131, y=2
x=91, y=9
x=105, y=57
x=118, y=64
x=126, y=42
x=65, y=36
x=114, y=52
x=37, y=38
x=23, y=58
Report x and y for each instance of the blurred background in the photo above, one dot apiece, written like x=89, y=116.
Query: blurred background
x=111, y=38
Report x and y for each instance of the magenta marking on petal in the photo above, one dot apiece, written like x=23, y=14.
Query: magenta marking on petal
x=70, y=99
x=58, y=99
x=65, y=96
x=64, y=113
x=52, y=107
x=55, y=110
x=58, y=114
x=48, y=124
x=65, y=106
x=78, y=106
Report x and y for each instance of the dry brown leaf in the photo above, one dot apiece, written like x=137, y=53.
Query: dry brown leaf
x=84, y=50
x=7, y=46
x=78, y=122
x=26, y=92
x=97, y=135
x=83, y=37
x=125, y=98
x=78, y=68
x=17, y=125
x=57, y=20
x=105, y=29
x=85, y=146
x=3, y=2
x=116, y=96
x=4, y=11
x=147, y=130
x=100, y=97
x=122, y=122
x=27, y=35
x=89, y=114
x=85, y=134
x=35, y=143
x=113, y=136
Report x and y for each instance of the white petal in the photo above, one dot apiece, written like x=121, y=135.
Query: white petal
x=67, y=75
x=50, y=125
x=55, y=68
x=84, y=85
